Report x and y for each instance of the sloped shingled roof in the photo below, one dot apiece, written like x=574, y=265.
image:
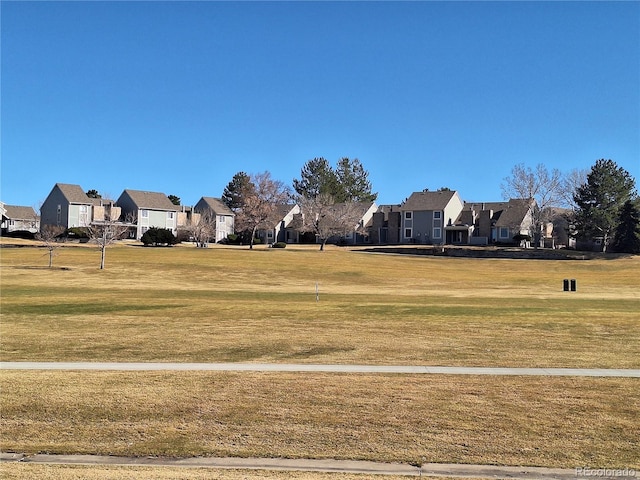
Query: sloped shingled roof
x=16, y=212
x=515, y=212
x=74, y=193
x=419, y=201
x=151, y=200
x=216, y=206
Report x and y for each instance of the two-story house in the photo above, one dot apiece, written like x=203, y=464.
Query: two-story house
x=68, y=206
x=280, y=226
x=149, y=209
x=219, y=213
x=426, y=214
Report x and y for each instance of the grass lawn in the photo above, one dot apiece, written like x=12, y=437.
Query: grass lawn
x=536, y=421
x=223, y=304
x=77, y=472
x=228, y=304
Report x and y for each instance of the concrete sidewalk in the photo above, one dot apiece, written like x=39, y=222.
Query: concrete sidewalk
x=304, y=367
x=310, y=465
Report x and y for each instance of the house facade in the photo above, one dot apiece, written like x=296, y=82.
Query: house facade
x=223, y=215
x=360, y=231
x=424, y=216
x=68, y=206
x=282, y=228
x=486, y=223
x=386, y=223
x=17, y=218
x=149, y=209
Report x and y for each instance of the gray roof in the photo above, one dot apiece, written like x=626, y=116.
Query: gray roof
x=514, y=213
x=151, y=200
x=216, y=206
x=74, y=193
x=482, y=206
x=16, y=212
x=428, y=201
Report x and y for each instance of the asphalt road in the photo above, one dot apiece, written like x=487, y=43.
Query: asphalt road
x=303, y=367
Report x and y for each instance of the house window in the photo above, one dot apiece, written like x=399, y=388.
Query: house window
x=169, y=215
x=504, y=232
x=221, y=219
x=437, y=215
x=437, y=233
x=407, y=215
x=144, y=213
x=59, y=214
x=144, y=230
x=408, y=232
x=83, y=219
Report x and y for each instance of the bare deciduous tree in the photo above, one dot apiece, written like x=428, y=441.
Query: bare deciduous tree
x=573, y=180
x=203, y=229
x=544, y=186
x=260, y=201
x=326, y=218
x=107, y=232
x=48, y=235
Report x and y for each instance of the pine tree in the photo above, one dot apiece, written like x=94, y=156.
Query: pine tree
x=627, y=233
x=236, y=190
x=600, y=200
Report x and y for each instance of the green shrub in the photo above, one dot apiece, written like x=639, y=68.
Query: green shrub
x=522, y=237
x=76, y=232
x=158, y=236
x=279, y=245
x=232, y=239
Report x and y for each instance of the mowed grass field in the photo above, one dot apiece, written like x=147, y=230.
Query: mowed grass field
x=234, y=305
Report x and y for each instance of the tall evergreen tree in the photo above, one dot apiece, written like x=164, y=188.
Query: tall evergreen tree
x=353, y=182
x=600, y=200
x=316, y=178
x=627, y=234
x=348, y=182
x=236, y=190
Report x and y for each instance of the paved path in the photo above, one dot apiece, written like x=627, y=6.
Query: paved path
x=303, y=367
x=326, y=465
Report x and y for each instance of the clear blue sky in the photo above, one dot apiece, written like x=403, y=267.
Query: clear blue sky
x=177, y=97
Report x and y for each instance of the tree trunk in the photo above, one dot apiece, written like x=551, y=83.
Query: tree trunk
x=103, y=249
x=253, y=234
x=50, y=257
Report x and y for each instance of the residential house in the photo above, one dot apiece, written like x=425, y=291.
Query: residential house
x=426, y=214
x=558, y=228
x=281, y=228
x=17, y=218
x=224, y=216
x=515, y=219
x=149, y=209
x=386, y=225
x=68, y=206
x=360, y=231
x=483, y=223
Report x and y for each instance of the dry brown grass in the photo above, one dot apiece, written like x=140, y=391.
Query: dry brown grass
x=226, y=304
x=79, y=472
x=223, y=304
x=556, y=422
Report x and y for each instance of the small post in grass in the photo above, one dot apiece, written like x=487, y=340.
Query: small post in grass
x=317, y=294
